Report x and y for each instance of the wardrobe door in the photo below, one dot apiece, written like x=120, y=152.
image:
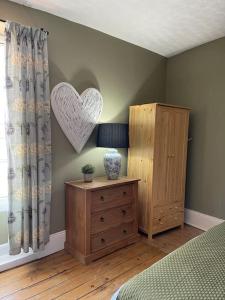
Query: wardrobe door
x=170, y=156
x=140, y=157
x=177, y=154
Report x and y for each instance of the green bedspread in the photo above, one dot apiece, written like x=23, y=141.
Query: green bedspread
x=194, y=271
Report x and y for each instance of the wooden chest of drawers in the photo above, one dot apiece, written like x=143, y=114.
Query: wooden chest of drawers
x=101, y=217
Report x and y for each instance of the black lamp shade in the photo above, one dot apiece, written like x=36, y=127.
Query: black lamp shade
x=113, y=135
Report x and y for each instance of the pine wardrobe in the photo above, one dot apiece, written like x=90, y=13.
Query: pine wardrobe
x=158, y=135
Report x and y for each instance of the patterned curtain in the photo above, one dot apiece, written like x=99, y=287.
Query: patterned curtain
x=28, y=137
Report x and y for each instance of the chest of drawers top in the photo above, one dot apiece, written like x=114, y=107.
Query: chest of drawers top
x=100, y=183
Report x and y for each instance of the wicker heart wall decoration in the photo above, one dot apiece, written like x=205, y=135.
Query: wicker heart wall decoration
x=76, y=114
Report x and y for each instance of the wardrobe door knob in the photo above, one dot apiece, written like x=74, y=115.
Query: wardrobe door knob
x=102, y=198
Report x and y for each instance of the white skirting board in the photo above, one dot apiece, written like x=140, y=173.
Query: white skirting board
x=200, y=220
x=57, y=240
x=55, y=244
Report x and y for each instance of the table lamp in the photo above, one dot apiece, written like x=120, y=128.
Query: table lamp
x=112, y=135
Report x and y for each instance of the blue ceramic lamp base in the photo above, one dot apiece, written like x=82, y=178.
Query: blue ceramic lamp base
x=112, y=164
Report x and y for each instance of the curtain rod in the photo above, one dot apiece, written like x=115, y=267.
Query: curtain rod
x=41, y=28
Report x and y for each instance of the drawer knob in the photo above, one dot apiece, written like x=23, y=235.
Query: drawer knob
x=102, y=241
x=102, y=198
x=102, y=219
x=124, y=212
x=125, y=231
x=124, y=193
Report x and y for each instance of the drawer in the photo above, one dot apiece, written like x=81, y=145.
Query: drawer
x=111, y=197
x=103, y=239
x=165, y=222
x=174, y=208
x=104, y=220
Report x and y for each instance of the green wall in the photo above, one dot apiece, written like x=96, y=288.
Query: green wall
x=125, y=74
x=196, y=78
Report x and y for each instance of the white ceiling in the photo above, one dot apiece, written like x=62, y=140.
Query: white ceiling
x=166, y=27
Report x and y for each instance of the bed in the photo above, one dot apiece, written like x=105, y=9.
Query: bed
x=194, y=271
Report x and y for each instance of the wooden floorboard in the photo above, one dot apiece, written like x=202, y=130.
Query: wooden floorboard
x=60, y=276
x=170, y=240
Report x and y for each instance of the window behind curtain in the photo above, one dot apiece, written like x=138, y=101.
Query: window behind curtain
x=3, y=153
